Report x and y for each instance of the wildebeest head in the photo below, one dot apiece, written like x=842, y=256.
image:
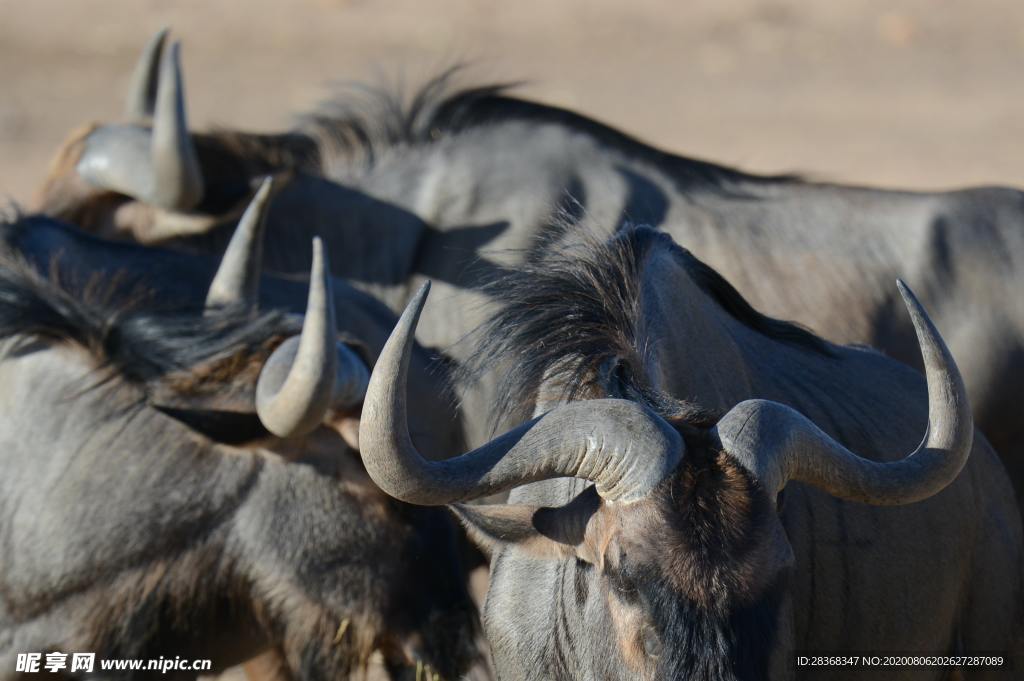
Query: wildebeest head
x=674, y=563
x=150, y=178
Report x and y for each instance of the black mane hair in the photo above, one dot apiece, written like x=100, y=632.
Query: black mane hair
x=579, y=300
x=124, y=328
x=366, y=120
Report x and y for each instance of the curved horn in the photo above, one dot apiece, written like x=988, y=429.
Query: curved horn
x=158, y=166
x=780, y=444
x=178, y=182
x=311, y=373
x=617, y=444
x=238, y=277
x=142, y=88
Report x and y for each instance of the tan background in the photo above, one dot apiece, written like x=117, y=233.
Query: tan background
x=922, y=93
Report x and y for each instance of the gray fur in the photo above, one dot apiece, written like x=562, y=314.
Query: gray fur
x=458, y=187
x=835, y=576
x=167, y=538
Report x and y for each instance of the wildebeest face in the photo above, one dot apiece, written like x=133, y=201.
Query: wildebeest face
x=688, y=580
x=673, y=564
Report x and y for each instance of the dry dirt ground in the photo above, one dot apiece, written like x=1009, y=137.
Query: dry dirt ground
x=918, y=93
x=910, y=93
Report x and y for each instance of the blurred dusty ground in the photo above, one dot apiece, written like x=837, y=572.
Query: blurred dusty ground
x=918, y=93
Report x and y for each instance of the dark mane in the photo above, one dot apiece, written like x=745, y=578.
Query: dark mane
x=368, y=120
x=125, y=330
x=580, y=300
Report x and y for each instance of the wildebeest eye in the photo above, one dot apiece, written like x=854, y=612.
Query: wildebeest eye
x=650, y=641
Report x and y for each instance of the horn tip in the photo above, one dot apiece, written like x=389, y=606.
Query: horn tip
x=910, y=300
x=139, y=102
x=172, y=58
x=320, y=272
x=265, y=186
x=253, y=218
x=415, y=306
x=260, y=198
x=319, y=256
x=407, y=322
x=155, y=46
x=421, y=294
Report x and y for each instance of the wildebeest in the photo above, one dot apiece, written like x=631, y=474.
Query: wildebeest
x=724, y=531
x=181, y=482
x=412, y=191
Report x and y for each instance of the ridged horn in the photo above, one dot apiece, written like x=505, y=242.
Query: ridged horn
x=780, y=444
x=238, y=277
x=617, y=444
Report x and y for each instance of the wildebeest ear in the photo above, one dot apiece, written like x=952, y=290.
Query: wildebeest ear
x=543, y=532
